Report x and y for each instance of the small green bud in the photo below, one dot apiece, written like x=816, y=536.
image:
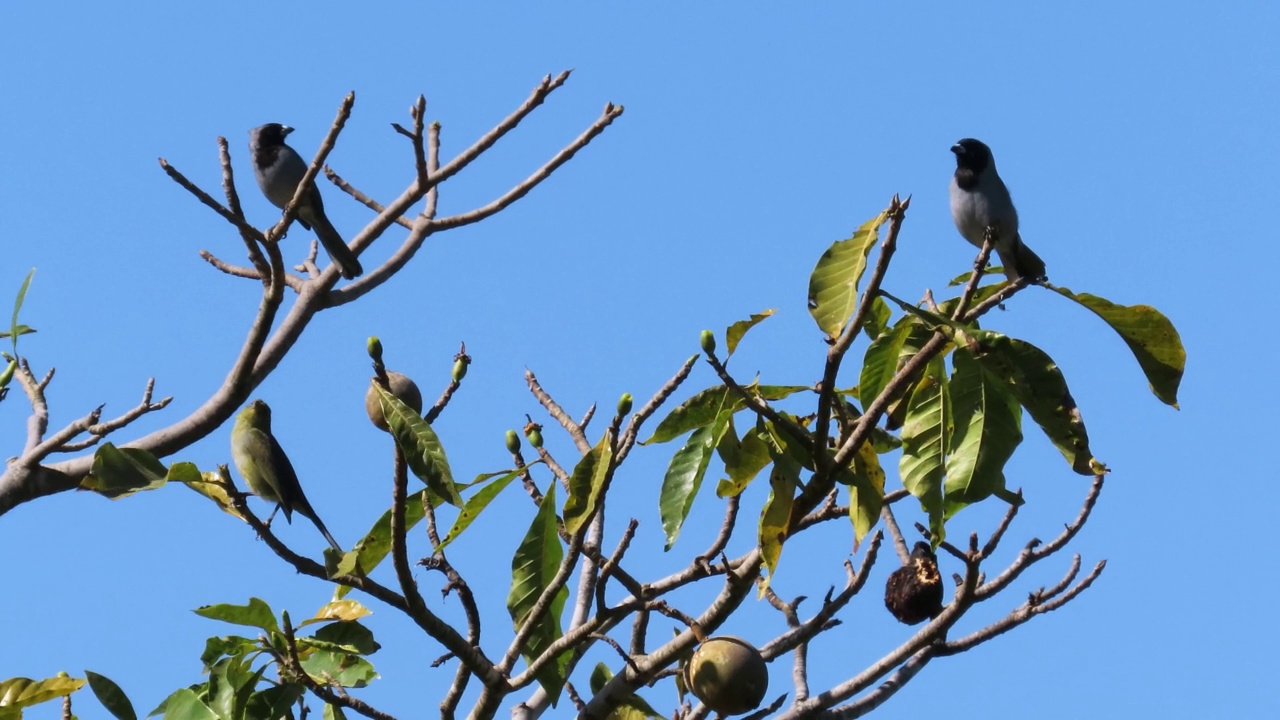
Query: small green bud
x=708, y=341
x=374, y=346
x=624, y=404
x=460, y=368
x=513, y=442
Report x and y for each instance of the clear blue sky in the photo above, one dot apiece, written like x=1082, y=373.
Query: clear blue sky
x=1140, y=146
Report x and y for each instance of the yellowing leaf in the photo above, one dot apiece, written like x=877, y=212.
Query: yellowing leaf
x=833, y=285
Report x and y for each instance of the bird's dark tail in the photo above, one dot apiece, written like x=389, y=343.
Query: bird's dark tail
x=1022, y=262
x=341, y=255
x=310, y=514
x=325, y=531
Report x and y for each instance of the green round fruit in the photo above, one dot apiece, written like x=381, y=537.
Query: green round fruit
x=728, y=675
x=513, y=442
x=403, y=388
x=533, y=431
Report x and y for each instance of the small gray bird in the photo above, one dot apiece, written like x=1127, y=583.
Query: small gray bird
x=279, y=169
x=978, y=199
x=267, y=470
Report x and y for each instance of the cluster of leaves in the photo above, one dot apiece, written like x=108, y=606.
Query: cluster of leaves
x=15, y=331
x=236, y=686
x=958, y=426
x=952, y=394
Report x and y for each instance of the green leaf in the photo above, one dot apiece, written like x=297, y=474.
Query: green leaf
x=751, y=456
x=477, y=503
x=703, y=408
x=877, y=319
x=833, y=285
x=1151, y=337
x=733, y=335
x=947, y=307
x=256, y=614
x=274, y=702
x=346, y=669
x=532, y=569
x=186, y=705
x=924, y=443
x=14, y=328
x=121, y=472
x=866, y=491
x=682, y=480
x=17, y=693
x=350, y=635
x=783, y=441
x=963, y=278
x=374, y=547
x=111, y=696
x=698, y=411
x=420, y=445
x=630, y=707
x=585, y=484
x=988, y=428
x=215, y=648
x=230, y=688
x=600, y=676
x=1040, y=386
x=880, y=363
x=184, y=472
x=775, y=517
x=16, y=331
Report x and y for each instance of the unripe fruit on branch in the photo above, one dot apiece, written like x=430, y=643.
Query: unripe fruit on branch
x=728, y=675
x=403, y=388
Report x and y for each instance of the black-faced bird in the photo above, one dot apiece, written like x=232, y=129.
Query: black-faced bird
x=979, y=199
x=279, y=169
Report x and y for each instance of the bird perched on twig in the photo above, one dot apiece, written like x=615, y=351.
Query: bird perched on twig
x=979, y=199
x=267, y=470
x=279, y=169
x=913, y=592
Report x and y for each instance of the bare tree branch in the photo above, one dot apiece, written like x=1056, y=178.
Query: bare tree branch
x=26, y=479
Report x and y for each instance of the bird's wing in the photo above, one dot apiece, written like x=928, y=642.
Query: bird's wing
x=285, y=479
x=260, y=451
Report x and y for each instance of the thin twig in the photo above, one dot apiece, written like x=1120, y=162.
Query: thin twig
x=557, y=413
x=644, y=413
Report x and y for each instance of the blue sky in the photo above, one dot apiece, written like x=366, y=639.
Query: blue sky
x=1140, y=147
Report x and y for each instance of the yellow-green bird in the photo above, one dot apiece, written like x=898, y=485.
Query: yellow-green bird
x=267, y=470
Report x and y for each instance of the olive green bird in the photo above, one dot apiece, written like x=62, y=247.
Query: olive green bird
x=267, y=470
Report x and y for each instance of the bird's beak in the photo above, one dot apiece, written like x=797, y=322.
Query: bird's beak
x=285, y=130
x=957, y=148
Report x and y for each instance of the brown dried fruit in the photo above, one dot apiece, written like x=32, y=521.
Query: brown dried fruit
x=914, y=592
